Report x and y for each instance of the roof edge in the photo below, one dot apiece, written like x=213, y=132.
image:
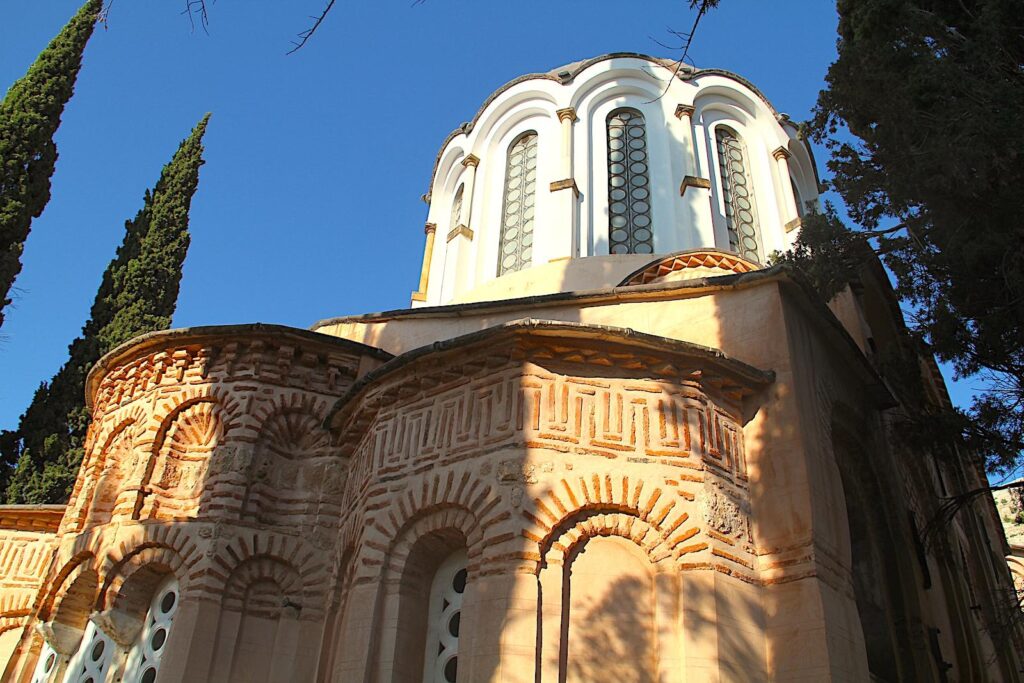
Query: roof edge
x=150, y=340
x=537, y=327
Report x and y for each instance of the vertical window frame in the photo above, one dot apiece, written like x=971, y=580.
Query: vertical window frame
x=727, y=176
x=518, y=213
x=630, y=210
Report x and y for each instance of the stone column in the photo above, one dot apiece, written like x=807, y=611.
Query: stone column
x=694, y=189
x=428, y=254
x=789, y=212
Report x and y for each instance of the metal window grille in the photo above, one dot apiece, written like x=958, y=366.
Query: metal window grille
x=629, y=180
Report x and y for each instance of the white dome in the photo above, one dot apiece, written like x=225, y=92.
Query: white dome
x=574, y=178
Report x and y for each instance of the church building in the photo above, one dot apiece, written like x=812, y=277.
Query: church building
x=606, y=434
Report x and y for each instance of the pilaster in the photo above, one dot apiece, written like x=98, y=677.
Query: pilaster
x=562, y=241
x=694, y=189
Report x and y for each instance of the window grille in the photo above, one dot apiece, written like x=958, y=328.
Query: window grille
x=92, y=661
x=46, y=666
x=516, y=247
x=737, y=195
x=444, y=620
x=145, y=655
x=629, y=191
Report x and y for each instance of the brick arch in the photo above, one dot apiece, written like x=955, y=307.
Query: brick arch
x=9, y=622
x=624, y=525
x=292, y=402
x=75, y=601
x=111, y=425
x=80, y=561
x=265, y=568
x=97, y=448
x=582, y=500
x=179, y=495
x=168, y=409
x=464, y=503
x=433, y=521
x=290, y=469
x=145, y=565
x=160, y=545
x=309, y=565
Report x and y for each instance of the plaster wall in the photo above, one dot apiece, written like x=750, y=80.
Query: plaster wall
x=569, y=114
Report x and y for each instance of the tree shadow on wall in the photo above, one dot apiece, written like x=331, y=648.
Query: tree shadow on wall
x=613, y=639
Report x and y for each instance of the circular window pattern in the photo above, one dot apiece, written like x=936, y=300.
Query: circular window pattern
x=453, y=624
x=143, y=662
x=737, y=197
x=517, y=205
x=97, y=651
x=451, y=669
x=158, y=639
x=167, y=602
x=625, y=218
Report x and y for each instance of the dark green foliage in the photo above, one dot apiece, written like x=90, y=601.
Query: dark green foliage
x=934, y=93
x=138, y=294
x=827, y=252
x=29, y=116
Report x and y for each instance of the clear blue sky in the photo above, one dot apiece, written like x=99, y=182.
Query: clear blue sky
x=308, y=205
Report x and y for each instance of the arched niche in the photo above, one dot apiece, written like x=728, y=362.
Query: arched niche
x=114, y=466
x=259, y=633
x=608, y=614
x=287, y=471
x=419, y=602
x=177, y=472
x=608, y=609
x=878, y=586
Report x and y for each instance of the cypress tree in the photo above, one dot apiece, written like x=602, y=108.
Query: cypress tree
x=29, y=116
x=138, y=294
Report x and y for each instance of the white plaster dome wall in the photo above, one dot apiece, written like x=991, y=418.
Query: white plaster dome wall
x=575, y=178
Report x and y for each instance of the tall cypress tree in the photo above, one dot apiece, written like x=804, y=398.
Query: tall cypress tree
x=138, y=294
x=29, y=116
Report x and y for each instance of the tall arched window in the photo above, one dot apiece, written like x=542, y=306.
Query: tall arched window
x=145, y=655
x=444, y=619
x=801, y=208
x=516, y=247
x=457, y=209
x=737, y=195
x=47, y=665
x=629, y=180
x=92, y=661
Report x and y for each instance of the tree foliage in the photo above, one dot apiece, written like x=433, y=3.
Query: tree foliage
x=29, y=116
x=933, y=92
x=138, y=294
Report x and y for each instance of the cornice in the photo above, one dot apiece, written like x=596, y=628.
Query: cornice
x=141, y=345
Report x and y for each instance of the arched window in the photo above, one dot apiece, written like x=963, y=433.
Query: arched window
x=457, y=209
x=801, y=208
x=92, y=661
x=444, y=618
x=629, y=180
x=47, y=665
x=516, y=247
x=145, y=655
x=737, y=195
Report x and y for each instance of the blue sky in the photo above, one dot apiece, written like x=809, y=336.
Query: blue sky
x=308, y=206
